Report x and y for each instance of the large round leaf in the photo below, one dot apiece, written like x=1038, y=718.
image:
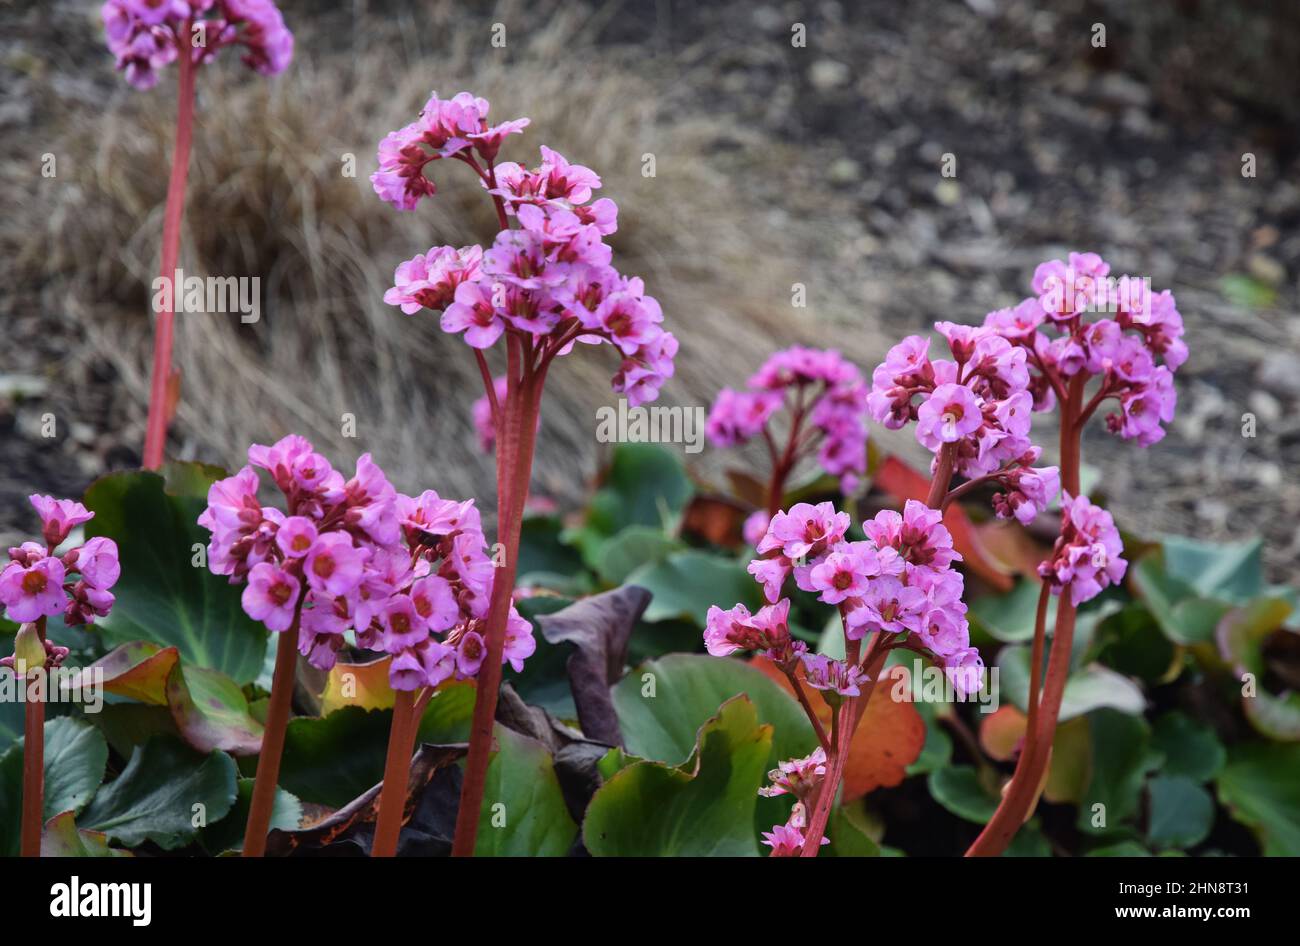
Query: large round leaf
x=1261, y=785
x=702, y=808
x=76, y=756
x=662, y=704
x=162, y=595
x=155, y=797
x=523, y=812
x=686, y=584
x=1181, y=812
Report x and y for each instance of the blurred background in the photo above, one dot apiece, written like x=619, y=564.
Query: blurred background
x=775, y=165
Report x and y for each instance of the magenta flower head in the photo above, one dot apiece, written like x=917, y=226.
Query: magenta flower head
x=147, y=35
x=549, y=282
x=38, y=584
x=410, y=576
x=1087, y=555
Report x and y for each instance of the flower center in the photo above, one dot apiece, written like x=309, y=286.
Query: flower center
x=323, y=566
x=34, y=582
x=279, y=593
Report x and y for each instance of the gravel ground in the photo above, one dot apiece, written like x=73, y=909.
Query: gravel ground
x=1134, y=150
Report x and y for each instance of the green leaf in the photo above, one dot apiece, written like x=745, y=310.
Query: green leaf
x=154, y=797
x=1131, y=642
x=960, y=789
x=162, y=596
x=1029, y=842
x=1120, y=849
x=1120, y=759
x=634, y=547
x=1010, y=617
x=700, y=809
x=211, y=712
x=1261, y=786
x=1190, y=748
x=1185, y=617
x=686, y=584
x=1182, y=812
x=60, y=837
x=228, y=833
x=333, y=759
x=76, y=757
x=1229, y=571
x=11, y=711
x=1086, y=689
x=687, y=690
x=646, y=485
x=11, y=800
x=523, y=814
x=848, y=834
x=541, y=550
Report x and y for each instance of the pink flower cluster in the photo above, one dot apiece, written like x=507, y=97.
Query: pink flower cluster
x=146, y=35
x=897, y=582
x=39, y=583
x=411, y=577
x=550, y=280
x=828, y=392
x=1087, y=554
x=1134, y=343
x=800, y=778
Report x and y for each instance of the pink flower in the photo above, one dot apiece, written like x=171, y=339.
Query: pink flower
x=32, y=591
x=407, y=671
x=430, y=280
x=918, y=535
x=798, y=777
x=519, y=643
x=438, y=661
x=950, y=413
x=435, y=603
x=771, y=573
x=805, y=530
x=1029, y=492
x=944, y=632
x=296, y=536
x=844, y=573
x=86, y=603
x=1087, y=555
x=736, y=416
x=756, y=527
x=470, y=651
x=403, y=625
x=271, y=596
x=474, y=314
x=97, y=561
x=785, y=840
x=888, y=605
x=835, y=676
x=334, y=566
x=964, y=670
x=59, y=517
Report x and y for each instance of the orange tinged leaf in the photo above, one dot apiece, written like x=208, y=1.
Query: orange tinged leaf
x=364, y=685
x=888, y=738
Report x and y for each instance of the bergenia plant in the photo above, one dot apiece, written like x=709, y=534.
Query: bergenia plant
x=1084, y=339
x=973, y=411
x=546, y=283
x=408, y=576
x=145, y=36
x=827, y=402
x=40, y=582
x=895, y=589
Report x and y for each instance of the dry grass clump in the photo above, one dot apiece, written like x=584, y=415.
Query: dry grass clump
x=268, y=198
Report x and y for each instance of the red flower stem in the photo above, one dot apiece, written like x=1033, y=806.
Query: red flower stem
x=515, y=462
x=33, y=817
x=268, y=760
x=155, y=438
x=802, y=695
x=1021, y=793
x=831, y=783
x=397, y=773
x=942, y=476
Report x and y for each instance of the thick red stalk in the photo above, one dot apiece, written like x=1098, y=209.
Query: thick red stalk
x=155, y=438
x=515, y=443
x=33, y=817
x=1021, y=793
x=268, y=760
x=397, y=773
